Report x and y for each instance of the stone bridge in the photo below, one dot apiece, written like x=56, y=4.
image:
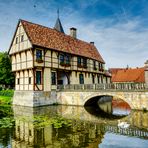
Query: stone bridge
x=135, y=95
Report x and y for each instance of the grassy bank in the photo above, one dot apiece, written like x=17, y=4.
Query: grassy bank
x=6, y=97
x=6, y=113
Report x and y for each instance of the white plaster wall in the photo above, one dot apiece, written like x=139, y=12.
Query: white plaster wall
x=21, y=80
x=20, y=45
x=48, y=58
x=47, y=79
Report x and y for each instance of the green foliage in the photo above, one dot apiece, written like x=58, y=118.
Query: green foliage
x=6, y=117
x=6, y=76
x=8, y=93
x=59, y=122
x=6, y=97
x=5, y=111
x=43, y=121
x=7, y=122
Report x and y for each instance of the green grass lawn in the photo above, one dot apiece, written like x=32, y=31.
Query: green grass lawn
x=6, y=97
x=5, y=100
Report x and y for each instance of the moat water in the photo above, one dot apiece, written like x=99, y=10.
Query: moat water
x=77, y=127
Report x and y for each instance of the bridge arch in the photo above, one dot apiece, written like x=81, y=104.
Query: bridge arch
x=95, y=95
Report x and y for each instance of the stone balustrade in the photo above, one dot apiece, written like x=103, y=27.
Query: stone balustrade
x=111, y=86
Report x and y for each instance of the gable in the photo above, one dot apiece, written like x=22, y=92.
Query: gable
x=20, y=40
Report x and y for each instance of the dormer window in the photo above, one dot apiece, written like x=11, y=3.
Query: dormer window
x=39, y=55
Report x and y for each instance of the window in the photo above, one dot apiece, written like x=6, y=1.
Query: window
x=38, y=77
x=16, y=41
x=18, y=81
x=94, y=63
x=53, y=78
x=98, y=79
x=18, y=128
x=30, y=133
x=22, y=38
x=39, y=54
x=29, y=80
x=93, y=79
x=61, y=58
x=67, y=59
x=79, y=61
x=81, y=79
x=101, y=79
x=99, y=66
x=84, y=62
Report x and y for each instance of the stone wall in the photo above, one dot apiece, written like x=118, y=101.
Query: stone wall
x=34, y=98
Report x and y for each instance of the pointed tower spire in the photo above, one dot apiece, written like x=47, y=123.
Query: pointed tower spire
x=58, y=12
x=58, y=25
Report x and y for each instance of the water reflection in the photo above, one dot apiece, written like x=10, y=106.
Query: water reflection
x=86, y=130
x=120, y=107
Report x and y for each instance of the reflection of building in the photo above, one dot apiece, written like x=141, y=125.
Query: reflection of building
x=43, y=57
x=130, y=75
x=80, y=134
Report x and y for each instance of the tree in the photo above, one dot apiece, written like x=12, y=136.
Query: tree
x=7, y=78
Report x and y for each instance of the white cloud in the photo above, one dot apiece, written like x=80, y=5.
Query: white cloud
x=120, y=44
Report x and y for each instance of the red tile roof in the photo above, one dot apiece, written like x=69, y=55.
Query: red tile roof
x=129, y=75
x=52, y=39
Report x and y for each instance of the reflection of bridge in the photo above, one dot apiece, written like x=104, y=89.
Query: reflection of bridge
x=136, y=95
x=129, y=131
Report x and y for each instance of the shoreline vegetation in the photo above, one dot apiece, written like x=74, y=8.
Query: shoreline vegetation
x=6, y=97
x=6, y=113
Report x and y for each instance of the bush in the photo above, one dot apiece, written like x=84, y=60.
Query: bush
x=8, y=93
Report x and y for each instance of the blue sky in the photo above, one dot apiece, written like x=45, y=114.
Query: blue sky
x=119, y=28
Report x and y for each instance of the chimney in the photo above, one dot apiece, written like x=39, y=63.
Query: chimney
x=146, y=71
x=92, y=43
x=73, y=32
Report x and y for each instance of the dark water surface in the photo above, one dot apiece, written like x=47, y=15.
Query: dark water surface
x=76, y=127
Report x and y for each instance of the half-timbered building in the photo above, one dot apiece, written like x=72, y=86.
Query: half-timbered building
x=43, y=58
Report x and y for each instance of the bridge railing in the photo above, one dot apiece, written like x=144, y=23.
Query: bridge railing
x=111, y=86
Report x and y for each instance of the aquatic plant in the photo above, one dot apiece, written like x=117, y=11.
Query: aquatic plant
x=7, y=122
x=57, y=122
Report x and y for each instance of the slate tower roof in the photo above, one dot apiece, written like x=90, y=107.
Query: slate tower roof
x=58, y=25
